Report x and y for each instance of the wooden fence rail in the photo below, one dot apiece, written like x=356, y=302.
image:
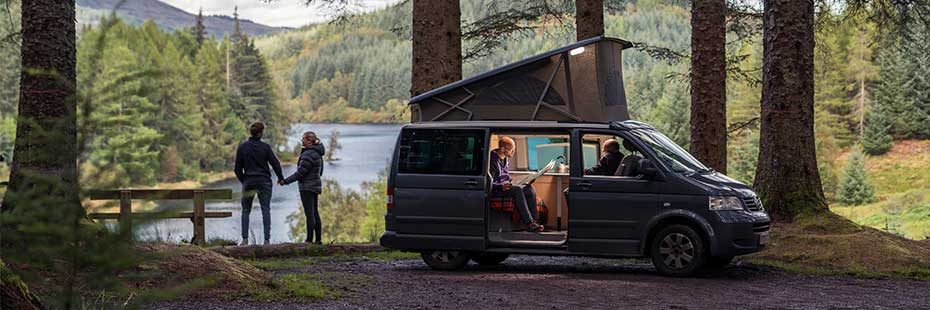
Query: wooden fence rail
x=125, y=215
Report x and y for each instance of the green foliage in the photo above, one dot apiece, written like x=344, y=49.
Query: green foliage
x=161, y=105
x=348, y=216
x=855, y=188
x=743, y=156
x=876, y=139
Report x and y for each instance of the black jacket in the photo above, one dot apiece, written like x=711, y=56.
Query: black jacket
x=309, y=169
x=607, y=165
x=252, y=159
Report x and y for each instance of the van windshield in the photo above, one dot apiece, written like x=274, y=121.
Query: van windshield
x=670, y=153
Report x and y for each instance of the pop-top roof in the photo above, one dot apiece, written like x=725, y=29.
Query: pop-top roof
x=580, y=82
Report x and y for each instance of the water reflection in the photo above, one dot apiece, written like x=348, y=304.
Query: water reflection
x=366, y=151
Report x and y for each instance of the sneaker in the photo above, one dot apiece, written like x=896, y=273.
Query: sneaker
x=244, y=242
x=534, y=227
x=267, y=242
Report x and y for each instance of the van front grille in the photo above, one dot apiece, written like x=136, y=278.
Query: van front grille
x=753, y=204
x=761, y=227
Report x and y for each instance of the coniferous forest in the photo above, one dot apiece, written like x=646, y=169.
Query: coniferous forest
x=819, y=109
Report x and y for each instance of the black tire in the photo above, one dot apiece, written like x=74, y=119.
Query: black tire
x=678, y=251
x=490, y=259
x=445, y=260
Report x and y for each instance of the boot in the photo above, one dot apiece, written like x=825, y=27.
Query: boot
x=318, y=238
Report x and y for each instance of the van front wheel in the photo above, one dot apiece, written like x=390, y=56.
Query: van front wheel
x=678, y=250
x=445, y=260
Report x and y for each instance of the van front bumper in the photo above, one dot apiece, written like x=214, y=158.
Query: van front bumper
x=740, y=233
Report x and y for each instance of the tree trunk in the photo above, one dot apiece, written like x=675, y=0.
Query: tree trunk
x=45, y=154
x=437, y=44
x=589, y=18
x=709, y=83
x=786, y=177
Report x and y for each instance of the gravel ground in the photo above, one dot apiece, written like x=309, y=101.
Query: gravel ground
x=531, y=282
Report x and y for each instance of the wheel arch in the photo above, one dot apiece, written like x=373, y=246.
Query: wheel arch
x=682, y=217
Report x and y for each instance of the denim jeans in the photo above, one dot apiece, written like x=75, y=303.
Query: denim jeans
x=524, y=200
x=264, y=199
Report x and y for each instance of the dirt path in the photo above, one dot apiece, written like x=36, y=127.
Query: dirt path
x=526, y=282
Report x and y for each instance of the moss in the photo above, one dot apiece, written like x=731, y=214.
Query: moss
x=301, y=262
x=313, y=286
x=826, y=243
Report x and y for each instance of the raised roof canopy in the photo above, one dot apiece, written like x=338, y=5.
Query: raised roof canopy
x=581, y=82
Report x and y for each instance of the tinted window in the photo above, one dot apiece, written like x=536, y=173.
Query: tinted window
x=456, y=152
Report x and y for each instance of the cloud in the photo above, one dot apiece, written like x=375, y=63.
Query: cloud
x=289, y=13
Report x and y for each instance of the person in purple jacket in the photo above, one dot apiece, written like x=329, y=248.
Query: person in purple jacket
x=524, y=197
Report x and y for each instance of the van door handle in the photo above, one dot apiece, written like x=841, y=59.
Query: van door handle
x=471, y=183
x=584, y=185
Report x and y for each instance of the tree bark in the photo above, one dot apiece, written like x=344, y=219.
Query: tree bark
x=589, y=19
x=709, y=83
x=437, y=44
x=786, y=177
x=45, y=150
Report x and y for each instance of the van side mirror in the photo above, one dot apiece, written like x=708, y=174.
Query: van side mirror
x=649, y=169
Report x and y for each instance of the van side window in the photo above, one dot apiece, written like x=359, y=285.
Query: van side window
x=435, y=151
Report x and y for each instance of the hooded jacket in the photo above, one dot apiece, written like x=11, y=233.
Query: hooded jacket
x=309, y=169
x=252, y=159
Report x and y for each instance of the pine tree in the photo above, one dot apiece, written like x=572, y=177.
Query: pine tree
x=875, y=139
x=179, y=118
x=708, y=83
x=218, y=117
x=892, y=87
x=199, y=30
x=855, y=188
x=918, y=114
x=787, y=178
x=122, y=144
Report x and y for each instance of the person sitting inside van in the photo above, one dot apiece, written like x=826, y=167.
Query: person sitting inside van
x=609, y=161
x=629, y=166
x=524, y=197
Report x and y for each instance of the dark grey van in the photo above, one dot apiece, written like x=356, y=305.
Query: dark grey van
x=662, y=203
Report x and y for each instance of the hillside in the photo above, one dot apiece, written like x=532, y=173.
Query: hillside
x=902, y=184
x=340, y=72
x=165, y=16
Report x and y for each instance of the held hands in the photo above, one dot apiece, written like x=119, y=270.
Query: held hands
x=281, y=182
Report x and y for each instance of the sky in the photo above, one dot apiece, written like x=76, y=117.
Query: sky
x=286, y=13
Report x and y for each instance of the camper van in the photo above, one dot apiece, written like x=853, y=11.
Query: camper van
x=666, y=206
x=559, y=108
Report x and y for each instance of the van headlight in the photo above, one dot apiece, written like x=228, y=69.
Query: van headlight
x=725, y=203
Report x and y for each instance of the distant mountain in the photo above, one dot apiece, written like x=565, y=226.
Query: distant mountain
x=165, y=16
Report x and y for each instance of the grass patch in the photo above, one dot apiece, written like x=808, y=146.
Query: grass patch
x=301, y=262
x=906, y=214
x=312, y=286
x=829, y=244
x=902, y=184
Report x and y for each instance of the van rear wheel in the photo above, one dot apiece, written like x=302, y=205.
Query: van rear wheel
x=445, y=260
x=490, y=259
x=678, y=250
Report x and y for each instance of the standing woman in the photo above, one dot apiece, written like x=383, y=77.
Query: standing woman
x=309, y=170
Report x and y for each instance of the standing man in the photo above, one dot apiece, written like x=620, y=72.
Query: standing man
x=309, y=170
x=524, y=197
x=252, y=160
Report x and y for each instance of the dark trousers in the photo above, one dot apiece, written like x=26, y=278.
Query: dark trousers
x=314, y=226
x=264, y=199
x=524, y=200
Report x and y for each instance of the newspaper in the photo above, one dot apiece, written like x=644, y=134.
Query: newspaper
x=527, y=179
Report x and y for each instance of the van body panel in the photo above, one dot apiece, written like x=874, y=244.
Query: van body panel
x=432, y=209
